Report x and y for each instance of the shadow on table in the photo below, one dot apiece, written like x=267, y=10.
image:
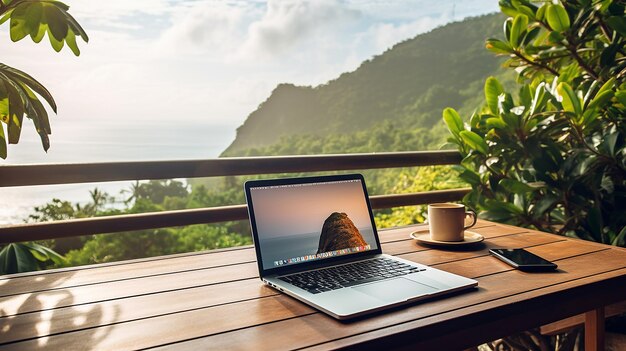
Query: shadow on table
x=29, y=321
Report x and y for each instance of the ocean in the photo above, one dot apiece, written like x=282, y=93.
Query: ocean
x=102, y=143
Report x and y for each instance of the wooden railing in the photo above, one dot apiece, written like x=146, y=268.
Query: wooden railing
x=26, y=175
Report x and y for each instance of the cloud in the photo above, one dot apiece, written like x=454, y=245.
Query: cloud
x=385, y=35
x=216, y=28
x=115, y=12
x=287, y=23
x=249, y=31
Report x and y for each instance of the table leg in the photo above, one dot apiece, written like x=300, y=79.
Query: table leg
x=594, y=330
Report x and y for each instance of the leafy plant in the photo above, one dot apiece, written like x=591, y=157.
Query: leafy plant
x=552, y=157
x=19, y=92
x=26, y=257
x=19, y=97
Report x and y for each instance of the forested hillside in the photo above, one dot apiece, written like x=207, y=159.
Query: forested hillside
x=396, y=97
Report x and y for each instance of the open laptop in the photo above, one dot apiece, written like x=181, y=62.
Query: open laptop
x=316, y=240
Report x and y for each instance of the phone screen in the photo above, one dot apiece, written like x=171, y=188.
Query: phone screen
x=523, y=259
x=521, y=256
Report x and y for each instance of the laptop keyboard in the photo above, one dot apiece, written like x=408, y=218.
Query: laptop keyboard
x=347, y=275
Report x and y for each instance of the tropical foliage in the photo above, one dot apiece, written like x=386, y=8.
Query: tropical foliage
x=19, y=92
x=26, y=257
x=552, y=157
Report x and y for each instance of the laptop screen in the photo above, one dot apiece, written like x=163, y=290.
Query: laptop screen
x=304, y=222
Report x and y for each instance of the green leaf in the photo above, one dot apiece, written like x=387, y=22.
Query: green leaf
x=7, y=260
x=530, y=36
x=506, y=9
x=3, y=142
x=39, y=256
x=57, y=24
x=493, y=90
x=589, y=116
x=618, y=23
x=609, y=143
x=76, y=28
x=517, y=29
x=453, y=121
x=621, y=97
x=16, y=258
x=18, y=24
x=570, y=100
x=60, y=5
x=620, y=238
x=607, y=86
x=543, y=205
x=541, y=12
x=499, y=206
x=33, y=18
x=540, y=99
x=470, y=177
x=526, y=95
x=505, y=104
x=607, y=58
x=31, y=82
x=6, y=16
x=57, y=45
x=43, y=253
x=515, y=186
x=41, y=32
x=16, y=110
x=26, y=262
x=557, y=17
x=70, y=39
x=498, y=46
x=507, y=26
x=526, y=11
x=42, y=115
x=496, y=216
x=556, y=37
x=474, y=141
x=601, y=99
x=594, y=221
x=495, y=122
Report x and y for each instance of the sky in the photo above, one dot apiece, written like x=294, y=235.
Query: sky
x=172, y=79
x=302, y=209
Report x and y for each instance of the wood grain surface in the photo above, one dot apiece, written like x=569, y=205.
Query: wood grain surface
x=214, y=300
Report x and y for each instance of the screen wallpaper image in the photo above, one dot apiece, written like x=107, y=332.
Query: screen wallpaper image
x=307, y=222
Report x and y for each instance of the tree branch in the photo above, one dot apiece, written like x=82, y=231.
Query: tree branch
x=581, y=62
x=546, y=67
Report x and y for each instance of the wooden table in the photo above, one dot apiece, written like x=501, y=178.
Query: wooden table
x=214, y=300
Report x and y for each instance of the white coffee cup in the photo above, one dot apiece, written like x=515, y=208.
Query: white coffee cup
x=446, y=221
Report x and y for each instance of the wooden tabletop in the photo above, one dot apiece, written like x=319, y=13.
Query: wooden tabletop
x=214, y=300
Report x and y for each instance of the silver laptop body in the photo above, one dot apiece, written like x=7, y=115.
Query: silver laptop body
x=312, y=234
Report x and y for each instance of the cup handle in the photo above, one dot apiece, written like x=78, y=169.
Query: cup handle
x=473, y=214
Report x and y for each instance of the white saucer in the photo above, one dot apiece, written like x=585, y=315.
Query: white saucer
x=423, y=236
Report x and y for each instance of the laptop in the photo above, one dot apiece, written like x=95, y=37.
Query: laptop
x=316, y=240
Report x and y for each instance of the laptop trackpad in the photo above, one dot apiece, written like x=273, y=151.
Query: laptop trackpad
x=398, y=289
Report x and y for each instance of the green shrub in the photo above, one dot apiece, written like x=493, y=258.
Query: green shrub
x=552, y=157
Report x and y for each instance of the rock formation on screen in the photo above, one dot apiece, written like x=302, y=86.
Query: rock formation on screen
x=338, y=232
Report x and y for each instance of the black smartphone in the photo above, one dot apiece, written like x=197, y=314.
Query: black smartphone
x=523, y=260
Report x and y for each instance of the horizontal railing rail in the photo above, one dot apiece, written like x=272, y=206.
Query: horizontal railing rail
x=22, y=175
x=28, y=175
x=151, y=220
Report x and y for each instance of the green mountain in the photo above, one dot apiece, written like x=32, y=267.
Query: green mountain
x=398, y=95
